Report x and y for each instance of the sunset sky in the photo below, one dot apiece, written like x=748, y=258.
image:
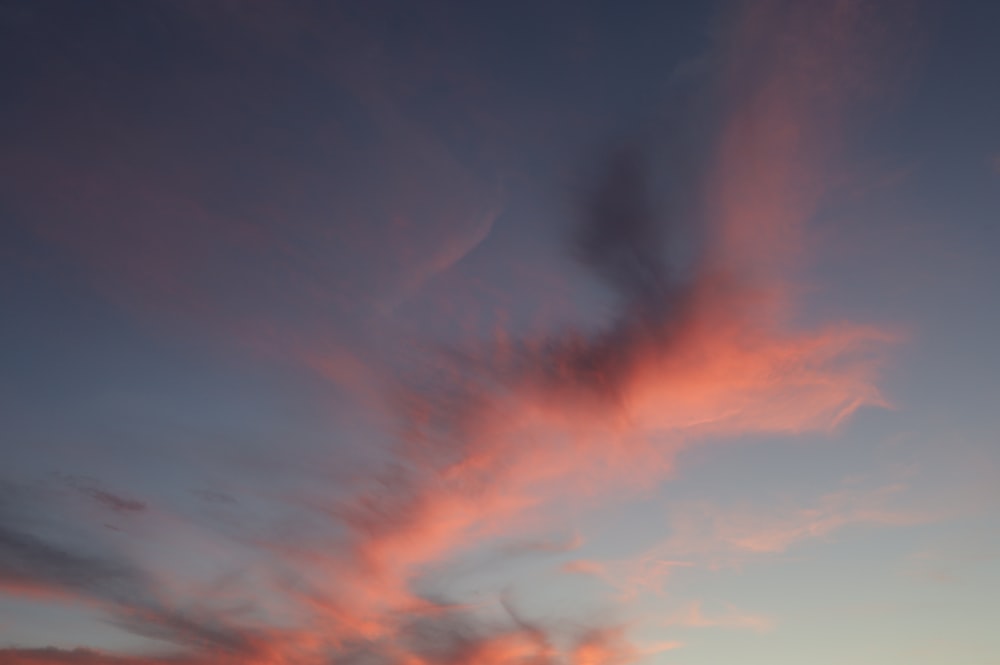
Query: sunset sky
x=381, y=332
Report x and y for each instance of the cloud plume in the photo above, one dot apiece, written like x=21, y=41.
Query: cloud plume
x=496, y=443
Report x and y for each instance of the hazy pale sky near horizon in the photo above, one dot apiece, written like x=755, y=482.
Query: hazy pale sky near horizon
x=467, y=333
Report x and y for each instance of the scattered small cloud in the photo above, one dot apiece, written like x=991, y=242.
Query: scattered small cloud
x=693, y=616
x=102, y=497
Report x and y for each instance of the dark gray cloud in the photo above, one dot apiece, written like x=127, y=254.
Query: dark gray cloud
x=619, y=236
x=643, y=249
x=116, y=503
x=44, y=545
x=53, y=656
x=624, y=240
x=57, y=562
x=29, y=560
x=200, y=633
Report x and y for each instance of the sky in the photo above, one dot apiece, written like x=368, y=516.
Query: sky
x=466, y=333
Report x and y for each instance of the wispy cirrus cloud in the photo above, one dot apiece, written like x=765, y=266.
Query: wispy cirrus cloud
x=709, y=536
x=693, y=616
x=494, y=440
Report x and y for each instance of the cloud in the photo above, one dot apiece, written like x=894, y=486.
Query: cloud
x=53, y=656
x=707, y=536
x=112, y=502
x=29, y=561
x=496, y=442
x=694, y=351
x=693, y=616
x=709, y=531
x=93, y=574
x=647, y=573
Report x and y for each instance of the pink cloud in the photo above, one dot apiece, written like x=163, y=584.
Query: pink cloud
x=704, y=535
x=693, y=616
x=775, y=530
x=497, y=444
x=647, y=574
